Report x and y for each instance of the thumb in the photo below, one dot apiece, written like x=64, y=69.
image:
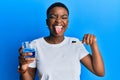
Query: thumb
x=24, y=66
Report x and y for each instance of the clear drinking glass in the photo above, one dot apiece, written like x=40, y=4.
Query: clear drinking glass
x=28, y=48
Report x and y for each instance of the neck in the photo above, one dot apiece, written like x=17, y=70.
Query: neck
x=54, y=40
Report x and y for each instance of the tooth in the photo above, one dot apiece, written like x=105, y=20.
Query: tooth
x=58, y=26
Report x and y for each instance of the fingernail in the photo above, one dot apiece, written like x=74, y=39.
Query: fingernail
x=30, y=53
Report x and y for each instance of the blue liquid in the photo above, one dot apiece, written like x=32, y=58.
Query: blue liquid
x=27, y=50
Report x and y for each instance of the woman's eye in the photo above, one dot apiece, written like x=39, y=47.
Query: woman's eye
x=64, y=17
x=52, y=16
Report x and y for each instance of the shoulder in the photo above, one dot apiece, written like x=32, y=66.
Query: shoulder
x=38, y=40
x=73, y=39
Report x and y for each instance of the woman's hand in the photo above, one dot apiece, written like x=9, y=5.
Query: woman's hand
x=24, y=62
x=89, y=39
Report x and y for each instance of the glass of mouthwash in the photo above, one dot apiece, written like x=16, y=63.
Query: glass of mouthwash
x=28, y=48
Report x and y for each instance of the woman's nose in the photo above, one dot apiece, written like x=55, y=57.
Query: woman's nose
x=58, y=20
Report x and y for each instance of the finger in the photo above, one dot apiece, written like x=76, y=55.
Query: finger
x=27, y=54
x=20, y=50
x=29, y=60
x=91, y=39
x=88, y=39
x=23, y=60
x=94, y=38
x=84, y=38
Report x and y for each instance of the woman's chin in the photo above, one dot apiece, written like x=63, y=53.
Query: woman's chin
x=59, y=34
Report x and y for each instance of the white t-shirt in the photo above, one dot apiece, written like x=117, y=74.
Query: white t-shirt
x=59, y=61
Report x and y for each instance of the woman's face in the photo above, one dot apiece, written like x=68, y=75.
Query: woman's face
x=57, y=21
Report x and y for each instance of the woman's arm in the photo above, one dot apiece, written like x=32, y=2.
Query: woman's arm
x=93, y=62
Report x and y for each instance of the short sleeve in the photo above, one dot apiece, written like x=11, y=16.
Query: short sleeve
x=82, y=51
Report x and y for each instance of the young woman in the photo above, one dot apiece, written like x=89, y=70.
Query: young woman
x=58, y=57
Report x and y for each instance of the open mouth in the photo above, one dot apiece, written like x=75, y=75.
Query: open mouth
x=58, y=29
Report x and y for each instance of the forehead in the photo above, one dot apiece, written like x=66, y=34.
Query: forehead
x=58, y=10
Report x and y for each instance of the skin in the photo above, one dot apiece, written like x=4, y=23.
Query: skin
x=59, y=16
x=93, y=62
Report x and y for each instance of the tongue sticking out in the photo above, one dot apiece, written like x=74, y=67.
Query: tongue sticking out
x=58, y=29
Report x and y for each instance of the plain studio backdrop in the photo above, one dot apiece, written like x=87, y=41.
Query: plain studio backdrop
x=24, y=20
